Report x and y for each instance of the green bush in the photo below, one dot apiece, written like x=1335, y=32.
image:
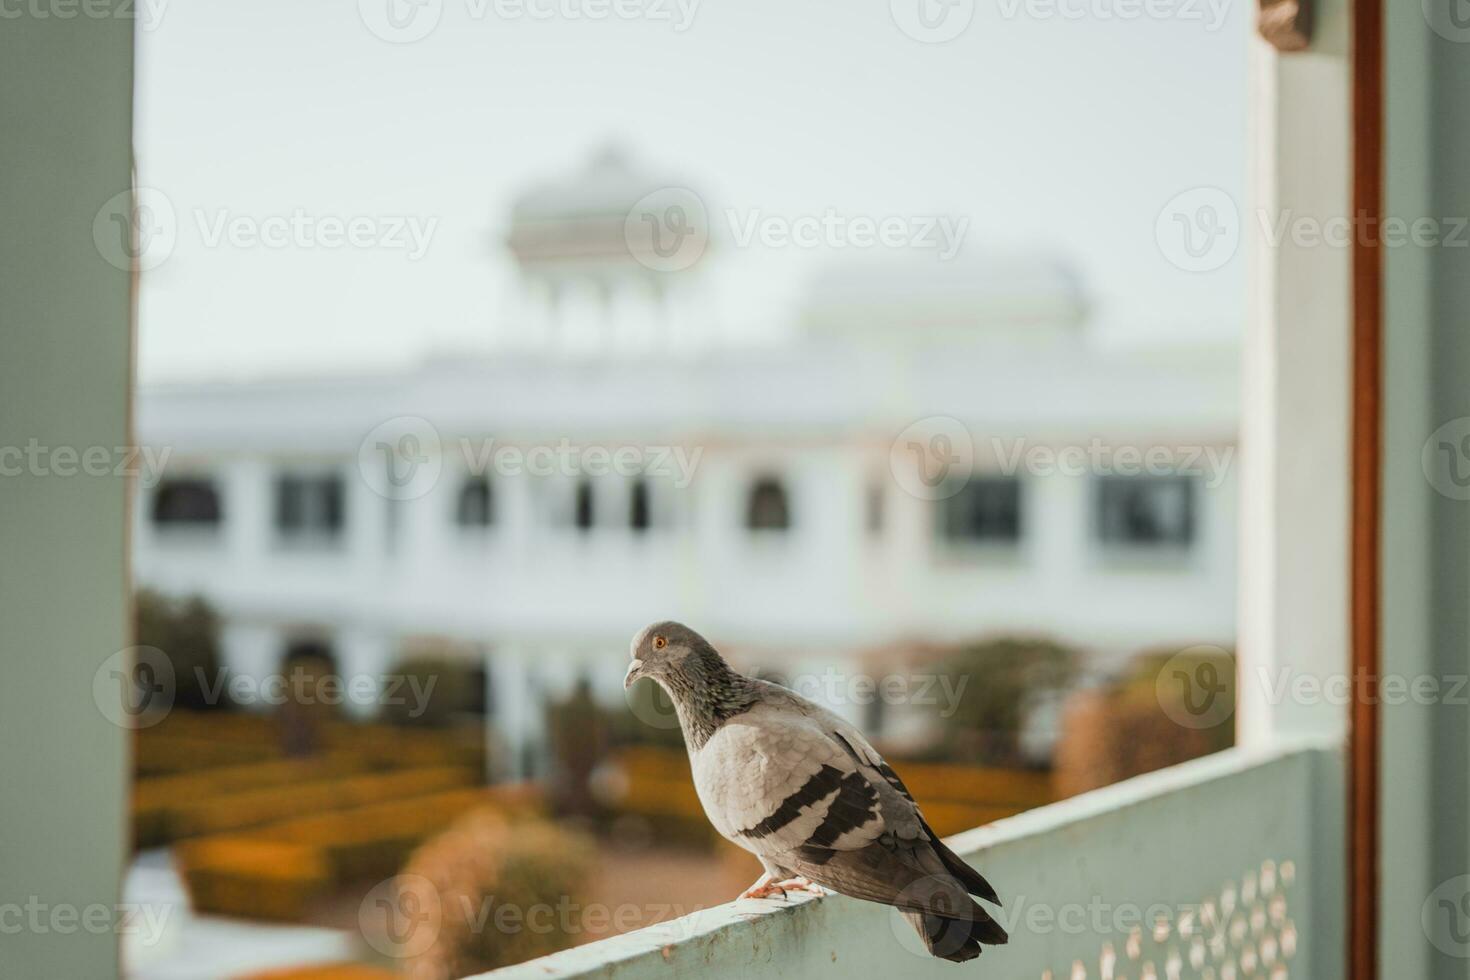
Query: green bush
x=503, y=891
x=1142, y=721
x=451, y=675
x=187, y=631
x=1005, y=680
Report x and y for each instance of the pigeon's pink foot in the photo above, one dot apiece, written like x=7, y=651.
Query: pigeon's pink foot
x=765, y=888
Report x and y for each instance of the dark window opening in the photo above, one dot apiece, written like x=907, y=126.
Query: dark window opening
x=582, y=516
x=987, y=510
x=309, y=505
x=873, y=510
x=1147, y=511
x=186, y=503
x=767, y=508
x=639, y=516
x=476, y=506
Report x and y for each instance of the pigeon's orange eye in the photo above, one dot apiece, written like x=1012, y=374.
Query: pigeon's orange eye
x=659, y=643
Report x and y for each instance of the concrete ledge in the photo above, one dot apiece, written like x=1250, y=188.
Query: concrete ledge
x=1082, y=880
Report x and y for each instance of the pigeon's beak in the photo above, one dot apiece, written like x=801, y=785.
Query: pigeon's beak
x=634, y=672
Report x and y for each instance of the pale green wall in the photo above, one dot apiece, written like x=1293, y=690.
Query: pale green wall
x=1426, y=535
x=65, y=131
x=1076, y=877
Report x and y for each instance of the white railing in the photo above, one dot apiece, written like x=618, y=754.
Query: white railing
x=1226, y=867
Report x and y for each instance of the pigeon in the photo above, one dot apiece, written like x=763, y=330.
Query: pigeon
x=805, y=792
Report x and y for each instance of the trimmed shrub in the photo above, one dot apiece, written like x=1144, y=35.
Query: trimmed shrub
x=505, y=893
x=1141, y=721
x=259, y=879
x=1005, y=680
x=450, y=675
x=187, y=631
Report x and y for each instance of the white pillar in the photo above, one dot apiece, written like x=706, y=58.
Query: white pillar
x=1294, y=526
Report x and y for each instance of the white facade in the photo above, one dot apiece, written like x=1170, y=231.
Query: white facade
x=862, y=566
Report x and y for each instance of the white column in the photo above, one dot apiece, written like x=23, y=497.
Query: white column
x=247, y=485
x=1296, y=401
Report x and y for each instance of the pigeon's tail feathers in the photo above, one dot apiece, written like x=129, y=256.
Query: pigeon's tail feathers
x=973, y=880
x=956, y=940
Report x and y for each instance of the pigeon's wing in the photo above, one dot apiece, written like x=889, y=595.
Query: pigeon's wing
x=773, y=779
x=803, y=791
x=880, y=771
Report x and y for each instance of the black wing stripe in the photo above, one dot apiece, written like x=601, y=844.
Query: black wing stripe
x=856, y=804
x=894, y=781
x=823, y=783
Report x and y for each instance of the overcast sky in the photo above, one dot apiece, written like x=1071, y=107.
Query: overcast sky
x=1066, y=135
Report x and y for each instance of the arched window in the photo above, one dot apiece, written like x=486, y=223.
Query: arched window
x=639, y=507
x=186, y=503
x=476, y=507
x=767, y=509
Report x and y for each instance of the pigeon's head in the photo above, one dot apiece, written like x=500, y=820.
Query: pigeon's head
x=664, y=649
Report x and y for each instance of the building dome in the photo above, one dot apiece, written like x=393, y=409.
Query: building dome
x=590, y=248
x=582, y=215
x=607, y=184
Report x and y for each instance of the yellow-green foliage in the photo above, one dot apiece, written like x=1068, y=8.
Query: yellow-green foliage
x=506, y=892
x=1140, y=723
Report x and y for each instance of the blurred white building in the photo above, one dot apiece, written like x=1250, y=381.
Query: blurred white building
x=1099, y=508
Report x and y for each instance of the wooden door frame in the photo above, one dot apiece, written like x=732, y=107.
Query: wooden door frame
x=1367, y=494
